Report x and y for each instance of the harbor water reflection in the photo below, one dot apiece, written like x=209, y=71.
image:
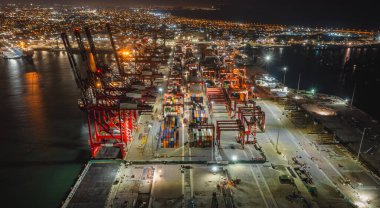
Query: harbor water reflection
x=44, y=134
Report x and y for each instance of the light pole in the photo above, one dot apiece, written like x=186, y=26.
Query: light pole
x=353, y=95
x=160, y=90
x=278, y=134
x=298, y=85
x=284, y=69
x=313, y=91
x=267, y=59
x=361, y=142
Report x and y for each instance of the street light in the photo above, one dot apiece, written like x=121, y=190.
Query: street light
x=160, y=90
x=278, y=133
x=234, y=158
x=214, y=169
x=284, y=69
x=267, y=60
x=298, y=85
x=353, y=95
x=361, y=142
x=364, y=198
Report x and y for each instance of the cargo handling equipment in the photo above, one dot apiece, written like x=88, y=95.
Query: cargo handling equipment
x=107, y=96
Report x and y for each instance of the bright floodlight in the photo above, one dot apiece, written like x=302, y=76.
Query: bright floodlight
x=285, y=68
x=313, y=91
x=363, y=197
x=268, y=57
x=360, y=204
x=160, y=89
x=214, y=168
x=234, y=158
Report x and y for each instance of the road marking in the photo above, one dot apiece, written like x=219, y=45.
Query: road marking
x=286, y=130
x=183, y=142
x=266, y=185
x=183, y=190
x=347, y=195
x=320, y=155
x=257, y=183
x=264, y=180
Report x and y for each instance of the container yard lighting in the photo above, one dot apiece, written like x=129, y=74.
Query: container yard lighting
x=361, y=142
x=360, y=204
x=234, y=158
x=284, y=69
x=267, y=59
x=98, y=84
x=125, y=53
x=214, y=169
x=364, y=198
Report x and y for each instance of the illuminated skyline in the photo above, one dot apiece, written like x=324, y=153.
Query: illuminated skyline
x=323, y=13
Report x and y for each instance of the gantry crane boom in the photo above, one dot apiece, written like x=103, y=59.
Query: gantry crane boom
x=73, y=64
x=111, y=114
x=92, y=46
x=121, y=71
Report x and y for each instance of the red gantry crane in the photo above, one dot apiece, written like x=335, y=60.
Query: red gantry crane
x=111, y=113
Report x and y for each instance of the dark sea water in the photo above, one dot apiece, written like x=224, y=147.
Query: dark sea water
x=352, y=14
x=331, y=71
x=44, y=134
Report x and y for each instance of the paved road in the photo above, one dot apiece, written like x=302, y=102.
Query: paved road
x=293, y=142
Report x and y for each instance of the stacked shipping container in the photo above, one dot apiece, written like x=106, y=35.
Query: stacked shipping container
x=197, y=98
x=201, y=138
x=169, y=132
x=199, y=116
x=172, y=100
x=172, y=110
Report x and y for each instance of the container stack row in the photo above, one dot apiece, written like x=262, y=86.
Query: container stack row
x=197, y=98
x=169, y=132
x=175, y=109
x=201, y=138
x=174, y=88
x=172, y=100
x=199, y=116
x=172, y=111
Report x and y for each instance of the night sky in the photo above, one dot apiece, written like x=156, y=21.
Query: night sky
x=363, y=14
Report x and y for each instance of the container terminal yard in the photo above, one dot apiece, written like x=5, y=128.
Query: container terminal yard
x=180, y=123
